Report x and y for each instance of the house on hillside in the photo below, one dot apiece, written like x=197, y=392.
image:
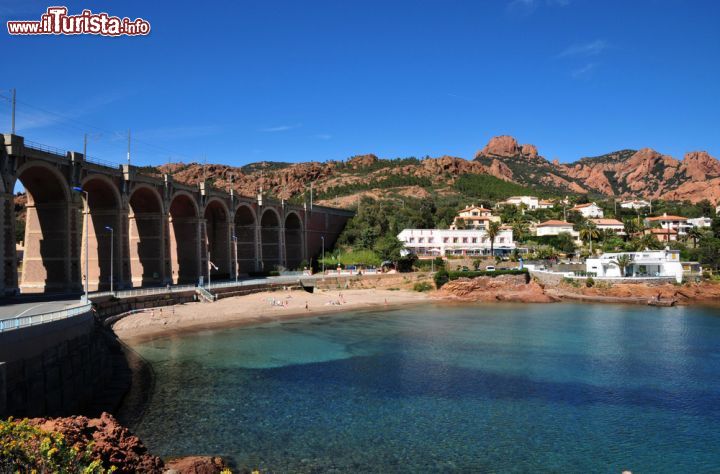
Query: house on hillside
x=701, y=222
x=473, y=217
x=460, y=242
x=677, y=223
x=662, y=235
x=555, y=227
x=589, y=210
x=530, y=202
x=635, y=204
x=609, y=224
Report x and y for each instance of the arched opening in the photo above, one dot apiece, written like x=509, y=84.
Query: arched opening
x=48, y=264
x=146, y=250
x=184, y=233
x=217, y=240
x=270, y=240
x=293, y=241
x=104, y=203
x=245, y=234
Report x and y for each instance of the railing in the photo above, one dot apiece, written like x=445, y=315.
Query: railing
x=205, y=294
x=36, y=319
x=102, y=162
x=143, y=291
x=45, y=148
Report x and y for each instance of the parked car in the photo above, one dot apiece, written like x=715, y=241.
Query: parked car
x=490, y=268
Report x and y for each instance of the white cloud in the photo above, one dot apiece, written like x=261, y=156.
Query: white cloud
x=593, y=48
x=280, y=128
x=323, y=136
x=583, y=71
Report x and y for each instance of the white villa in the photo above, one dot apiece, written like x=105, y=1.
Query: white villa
x=635, y=204
x=443, y=242
x=677, y=223
x=555, y=227
x=609, y=224
x=701, y=222
x=474, y=217
x=531, y=202
x=650, y=263
x=589, y=210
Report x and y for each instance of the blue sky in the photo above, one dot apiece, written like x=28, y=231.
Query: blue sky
x=245, y=81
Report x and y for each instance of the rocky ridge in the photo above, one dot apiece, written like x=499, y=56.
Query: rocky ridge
x=625, y=173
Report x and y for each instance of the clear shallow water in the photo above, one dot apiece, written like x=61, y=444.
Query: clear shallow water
x=577, y=388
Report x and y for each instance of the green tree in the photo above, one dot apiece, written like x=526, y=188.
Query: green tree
x=589, y=231
x=645, y=241
x=695, y=234
x=388, y=247
x=520, y=229
x=565, y=242
x=631, y=227
x=493, y=229
x=622, y=261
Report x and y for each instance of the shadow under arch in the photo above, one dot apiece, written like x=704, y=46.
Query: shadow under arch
x=50, y=264
x=245, y=232
x=270, y=240
x=217, y=239
x=146, y=237
x=293, y=241
x=104, y=204
x=184, y=234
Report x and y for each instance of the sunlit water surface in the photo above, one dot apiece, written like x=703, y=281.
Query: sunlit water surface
x=572, y=388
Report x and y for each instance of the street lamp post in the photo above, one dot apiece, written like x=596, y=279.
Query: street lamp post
x=112, y=245
x=322, y=237
x=235, y=241
x=87, y=231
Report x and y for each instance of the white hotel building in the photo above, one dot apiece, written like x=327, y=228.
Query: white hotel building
x=444, y=242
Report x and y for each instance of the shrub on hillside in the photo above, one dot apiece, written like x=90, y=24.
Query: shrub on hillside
x=27, y=448
x=441, y=277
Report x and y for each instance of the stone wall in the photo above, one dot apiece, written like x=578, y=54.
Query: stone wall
x=60, y=368
x=554, y=279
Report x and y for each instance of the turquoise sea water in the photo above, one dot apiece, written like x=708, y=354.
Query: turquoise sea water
x=446, y=388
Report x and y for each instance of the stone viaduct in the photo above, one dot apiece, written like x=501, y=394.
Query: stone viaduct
x=163, y=232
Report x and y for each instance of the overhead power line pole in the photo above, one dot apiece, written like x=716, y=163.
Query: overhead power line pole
x=13, y=111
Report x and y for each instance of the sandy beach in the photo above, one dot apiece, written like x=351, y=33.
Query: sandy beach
x=256, y=308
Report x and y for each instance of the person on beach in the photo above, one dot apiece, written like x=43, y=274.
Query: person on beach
x=307, y=308
x=342, y=298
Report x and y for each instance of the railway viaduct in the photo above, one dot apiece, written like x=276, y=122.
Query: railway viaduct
x=163, y=232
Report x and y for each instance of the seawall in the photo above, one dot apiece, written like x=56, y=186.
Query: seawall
x=69, y=366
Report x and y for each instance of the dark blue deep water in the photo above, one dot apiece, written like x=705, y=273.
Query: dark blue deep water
x=445, y=388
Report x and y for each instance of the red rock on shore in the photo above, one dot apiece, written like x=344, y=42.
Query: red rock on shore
x=511, y=288
x=116, y=446
x=112, y=442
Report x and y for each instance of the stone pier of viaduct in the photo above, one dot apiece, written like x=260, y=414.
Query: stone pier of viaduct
x=164, y=232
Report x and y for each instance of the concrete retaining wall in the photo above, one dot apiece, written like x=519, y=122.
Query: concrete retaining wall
x=548, y=278
x=58, y=368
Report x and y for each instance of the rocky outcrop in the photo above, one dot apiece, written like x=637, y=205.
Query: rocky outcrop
x=195, y=465
x=115, y=445
x=506, y=146
x=511, y=288
x=699, y=166
x=362, y=161
x=110, y=442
